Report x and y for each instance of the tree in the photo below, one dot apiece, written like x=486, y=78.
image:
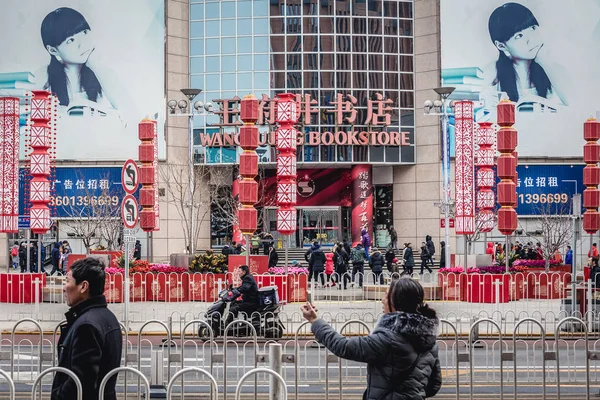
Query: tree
x=209, y=191
x=555, y=228
x=94, y=217
x=480, y=223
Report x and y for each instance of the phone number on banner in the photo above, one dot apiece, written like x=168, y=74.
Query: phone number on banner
x=543, y=198
x=61, y=201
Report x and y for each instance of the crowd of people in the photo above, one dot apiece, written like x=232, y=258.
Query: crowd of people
x=530, y=251
x=59, y=257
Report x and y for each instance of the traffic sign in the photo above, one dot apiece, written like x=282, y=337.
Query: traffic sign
x=129, y=211
x=130, y=176
x=443, y=222
x=130, y=232
x=24, y=222
x=129, y=239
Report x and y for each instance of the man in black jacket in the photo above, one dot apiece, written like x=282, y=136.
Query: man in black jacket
x=249, y=292
x=90, y=341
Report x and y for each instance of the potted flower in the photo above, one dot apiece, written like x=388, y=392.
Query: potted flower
x=207, y=269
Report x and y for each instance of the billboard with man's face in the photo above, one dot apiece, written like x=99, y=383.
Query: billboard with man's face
x=104, y=60
x=543, y=54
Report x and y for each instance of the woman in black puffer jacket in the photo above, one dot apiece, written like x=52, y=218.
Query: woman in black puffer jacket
x=401, y=352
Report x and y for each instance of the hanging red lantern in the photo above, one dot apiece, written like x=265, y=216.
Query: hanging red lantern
x=591, y=176
x=247, y=185
x=286, y=134
x=147, y=155
x=507, y=168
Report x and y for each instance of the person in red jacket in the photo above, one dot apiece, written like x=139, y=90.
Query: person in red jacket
x=593, y=253
x=490, y=250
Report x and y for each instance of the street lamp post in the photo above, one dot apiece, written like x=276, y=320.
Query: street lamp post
x=441, y=109
x=186, y=109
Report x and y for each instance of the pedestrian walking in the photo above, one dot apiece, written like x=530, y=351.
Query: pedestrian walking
x=401, y=352
x=569, y=256
x=137, y=250
x=389, y=258
x=430, y=249
x=424, y=258
x=23, y=257
x=329, y=268
x=14, y=255
x=393, y=237
x=443, y=254
x=366, y=242
x=56, y=252
x=316, y=263
x=33, y=264
x=409, y=259
x=340, y=261
x=273, y=257
x=90, y=343
x=376, y=263
x=358, y=257
x=255, y=242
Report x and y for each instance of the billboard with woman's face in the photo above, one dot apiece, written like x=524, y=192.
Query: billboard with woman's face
x=104, y=61
x=541, y=54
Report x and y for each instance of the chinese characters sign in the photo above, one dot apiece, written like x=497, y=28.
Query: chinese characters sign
x=342, y=109
x=79, y=190
x=540, y=184
x=362, y=201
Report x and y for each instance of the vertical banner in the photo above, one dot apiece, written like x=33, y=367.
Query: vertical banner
x=464, y=168
x=238, y=237
x=362, y=202
x=9, y=168
x=287, y=188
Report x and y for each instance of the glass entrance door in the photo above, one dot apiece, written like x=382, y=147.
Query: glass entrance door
x=320, y=224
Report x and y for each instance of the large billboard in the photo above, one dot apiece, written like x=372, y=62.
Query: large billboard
x=541, y=53
x=104, y=60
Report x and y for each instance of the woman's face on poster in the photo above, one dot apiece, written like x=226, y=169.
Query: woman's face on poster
x=523, y=45
x=75, y=49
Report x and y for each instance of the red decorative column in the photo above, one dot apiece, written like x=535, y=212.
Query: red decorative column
x=43, y=105
x=507, y=170
x=9, y=164
x=287, y=117
x=464, y=168
x=486, y=200
x=362, y=202
x=591, y=176
x=248, y=187
x=238, y=237
x=146, y=154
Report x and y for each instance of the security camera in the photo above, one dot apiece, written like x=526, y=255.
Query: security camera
x=437, y=104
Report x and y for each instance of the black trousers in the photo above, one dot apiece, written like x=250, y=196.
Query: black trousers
x=313, y=275
x=424, y=265
x=358, y=267
x=243, y=307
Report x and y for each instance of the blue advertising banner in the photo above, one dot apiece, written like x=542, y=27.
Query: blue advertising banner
x=82, y=191
x=540, y=184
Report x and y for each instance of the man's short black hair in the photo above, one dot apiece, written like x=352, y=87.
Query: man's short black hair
x=92, y=270
x=245, y=268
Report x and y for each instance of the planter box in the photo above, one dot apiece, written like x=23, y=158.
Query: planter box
x=451, y=286
x=20, y=288
x=518, y=287
x=548, y=286
x=481, y=288
x=113, y=288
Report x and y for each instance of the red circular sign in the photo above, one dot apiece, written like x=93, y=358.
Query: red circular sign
x=130, y=211
x=130, y=176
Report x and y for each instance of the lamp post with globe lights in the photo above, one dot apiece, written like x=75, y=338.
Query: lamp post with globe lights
x=440, y=108
x=190, y=109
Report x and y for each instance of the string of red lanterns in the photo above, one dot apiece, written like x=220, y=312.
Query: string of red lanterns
x=591, y=176
x=248, y=187
x=507, y=168
x=147, y=153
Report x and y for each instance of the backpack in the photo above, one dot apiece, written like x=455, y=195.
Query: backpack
x=14, y=252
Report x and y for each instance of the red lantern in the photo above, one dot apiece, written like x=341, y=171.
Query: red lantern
x=9, y=160
x=43, y=107
x=287, y=117
x=148, y=156
x=507, y=168
x=248, y=187
x=591, y=176
x=485, y=137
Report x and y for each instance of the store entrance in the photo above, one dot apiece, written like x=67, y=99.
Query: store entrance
x=320, y=224
x=326, y=225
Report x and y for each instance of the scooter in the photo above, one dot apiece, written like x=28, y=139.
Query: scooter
x=265, y=320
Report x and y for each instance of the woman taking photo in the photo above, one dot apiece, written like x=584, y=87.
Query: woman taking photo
x=521, y=71
x=401, y=351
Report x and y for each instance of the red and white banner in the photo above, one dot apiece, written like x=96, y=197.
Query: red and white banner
x=362, y=202
x=486, y=199
x=464, y=168
x=287, y=117
x=9, y=164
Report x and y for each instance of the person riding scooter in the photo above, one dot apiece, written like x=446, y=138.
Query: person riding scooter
x=249, y=291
